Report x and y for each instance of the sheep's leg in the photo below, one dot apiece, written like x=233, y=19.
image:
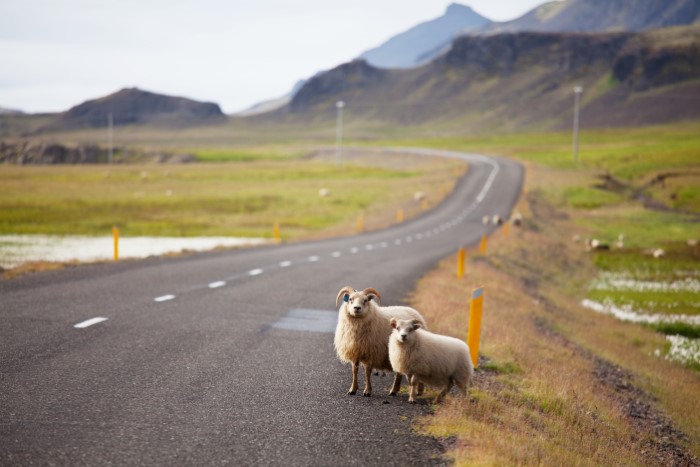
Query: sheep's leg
x=413, y=382
x=421, y=388
x=368, y=381
x=442, y=394
x=397, y=384
x=353, y=387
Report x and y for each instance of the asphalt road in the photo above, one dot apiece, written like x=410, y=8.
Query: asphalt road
x=222, y=357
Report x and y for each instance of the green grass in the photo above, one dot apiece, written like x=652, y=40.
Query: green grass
x=207, y=199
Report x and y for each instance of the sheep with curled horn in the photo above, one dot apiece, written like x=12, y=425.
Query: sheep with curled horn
x=362, y=334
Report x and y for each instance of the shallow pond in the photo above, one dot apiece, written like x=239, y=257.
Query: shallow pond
x=18, y=249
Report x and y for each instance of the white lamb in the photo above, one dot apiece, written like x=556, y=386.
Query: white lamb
x=429, y=358
x=362, y=334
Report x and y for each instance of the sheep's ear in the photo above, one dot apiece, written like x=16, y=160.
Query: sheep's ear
x=392, y=322
x=416, y=324
x=345, y=293
x=370, y=291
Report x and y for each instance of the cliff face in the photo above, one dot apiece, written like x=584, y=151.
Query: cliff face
x=134, y=106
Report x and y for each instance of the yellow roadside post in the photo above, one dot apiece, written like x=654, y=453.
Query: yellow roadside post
x=482, y=247
x=424, y=204
x=399, y=215
x=276, y=232
x=360, y=224
x=506, y=227
x=460, y=262
x=475, y=307
x=115, y=234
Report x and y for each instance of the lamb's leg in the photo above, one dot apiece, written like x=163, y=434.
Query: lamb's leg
x=442, y=394
x=421, y=388
x=397, y=384
x=413, y=382
x=368, y=381
x=353, y=387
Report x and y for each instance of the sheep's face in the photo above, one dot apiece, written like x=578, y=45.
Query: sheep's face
x=357, y=304
x=404, y=328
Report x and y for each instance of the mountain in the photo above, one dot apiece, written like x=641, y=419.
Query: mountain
x=522, y=80
x=132, y=106
x=407, y=49
x=601, y=15
x=6, y=111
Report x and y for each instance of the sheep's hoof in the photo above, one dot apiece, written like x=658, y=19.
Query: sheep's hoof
x=411, y=401
x=352, y=393
x=393, y=394
x=367, y=394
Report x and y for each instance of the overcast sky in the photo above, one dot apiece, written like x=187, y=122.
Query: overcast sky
x=58, y=53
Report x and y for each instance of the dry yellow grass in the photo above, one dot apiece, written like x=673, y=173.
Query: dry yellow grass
x=560, y=385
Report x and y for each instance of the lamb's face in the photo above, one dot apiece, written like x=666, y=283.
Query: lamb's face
x=404, y=328
x=357, y=304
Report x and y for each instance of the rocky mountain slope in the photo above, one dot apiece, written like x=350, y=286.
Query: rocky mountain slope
x=524, y=80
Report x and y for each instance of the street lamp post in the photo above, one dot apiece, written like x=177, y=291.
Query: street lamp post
x=339, y=132
x=577, y=96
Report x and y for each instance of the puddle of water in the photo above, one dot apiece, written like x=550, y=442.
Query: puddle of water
x=18, y=249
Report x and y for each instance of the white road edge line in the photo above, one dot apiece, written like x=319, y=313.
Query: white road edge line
x=217, y=284
x=164, y=298
x=89, y=322
x=255, y=272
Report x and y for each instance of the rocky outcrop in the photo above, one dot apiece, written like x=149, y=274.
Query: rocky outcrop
x=39, y=152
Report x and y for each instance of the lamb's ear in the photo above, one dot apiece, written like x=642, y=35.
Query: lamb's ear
x=416, y=324
x=392, y=322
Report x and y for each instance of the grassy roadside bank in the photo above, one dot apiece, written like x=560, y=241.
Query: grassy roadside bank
x=561, y=384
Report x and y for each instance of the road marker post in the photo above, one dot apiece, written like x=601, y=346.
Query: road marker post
x=424, y=204
x=115, y=235
x=506, y=228
x=360, y=225
x=399, y=215
x=474, y=333
x=482, y=246
x=460, y=262
x=276, y=233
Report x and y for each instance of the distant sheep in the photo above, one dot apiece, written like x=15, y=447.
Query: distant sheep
x=485, y=220
x=418, y=196
x=362, y=334
x=429, y=358
x=593, y=244
x=324, y=192
x=517, y=219
x=496, y=220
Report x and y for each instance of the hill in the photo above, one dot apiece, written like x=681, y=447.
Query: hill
x=524, y=80
x=409, y=48
x=132, y=106
x=598, y=15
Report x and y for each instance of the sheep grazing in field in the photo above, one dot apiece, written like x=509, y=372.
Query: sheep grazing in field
x=620, y=242
x=595, y=244
x=658, y=253
x=517, y=219
x=324, y=192
x=362, y=334
x=433, y=359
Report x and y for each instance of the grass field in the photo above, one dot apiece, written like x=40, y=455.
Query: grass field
x=231, y=198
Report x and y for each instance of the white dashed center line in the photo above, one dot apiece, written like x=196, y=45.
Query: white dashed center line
x=313, y=259
x=164, y=298
x=217, y=284
x=285, y=264
x=336, y=254
x=89, y=322
x=354, y=250
x=255, y=272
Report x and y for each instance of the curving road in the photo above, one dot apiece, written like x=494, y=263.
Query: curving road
x=222, y=357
